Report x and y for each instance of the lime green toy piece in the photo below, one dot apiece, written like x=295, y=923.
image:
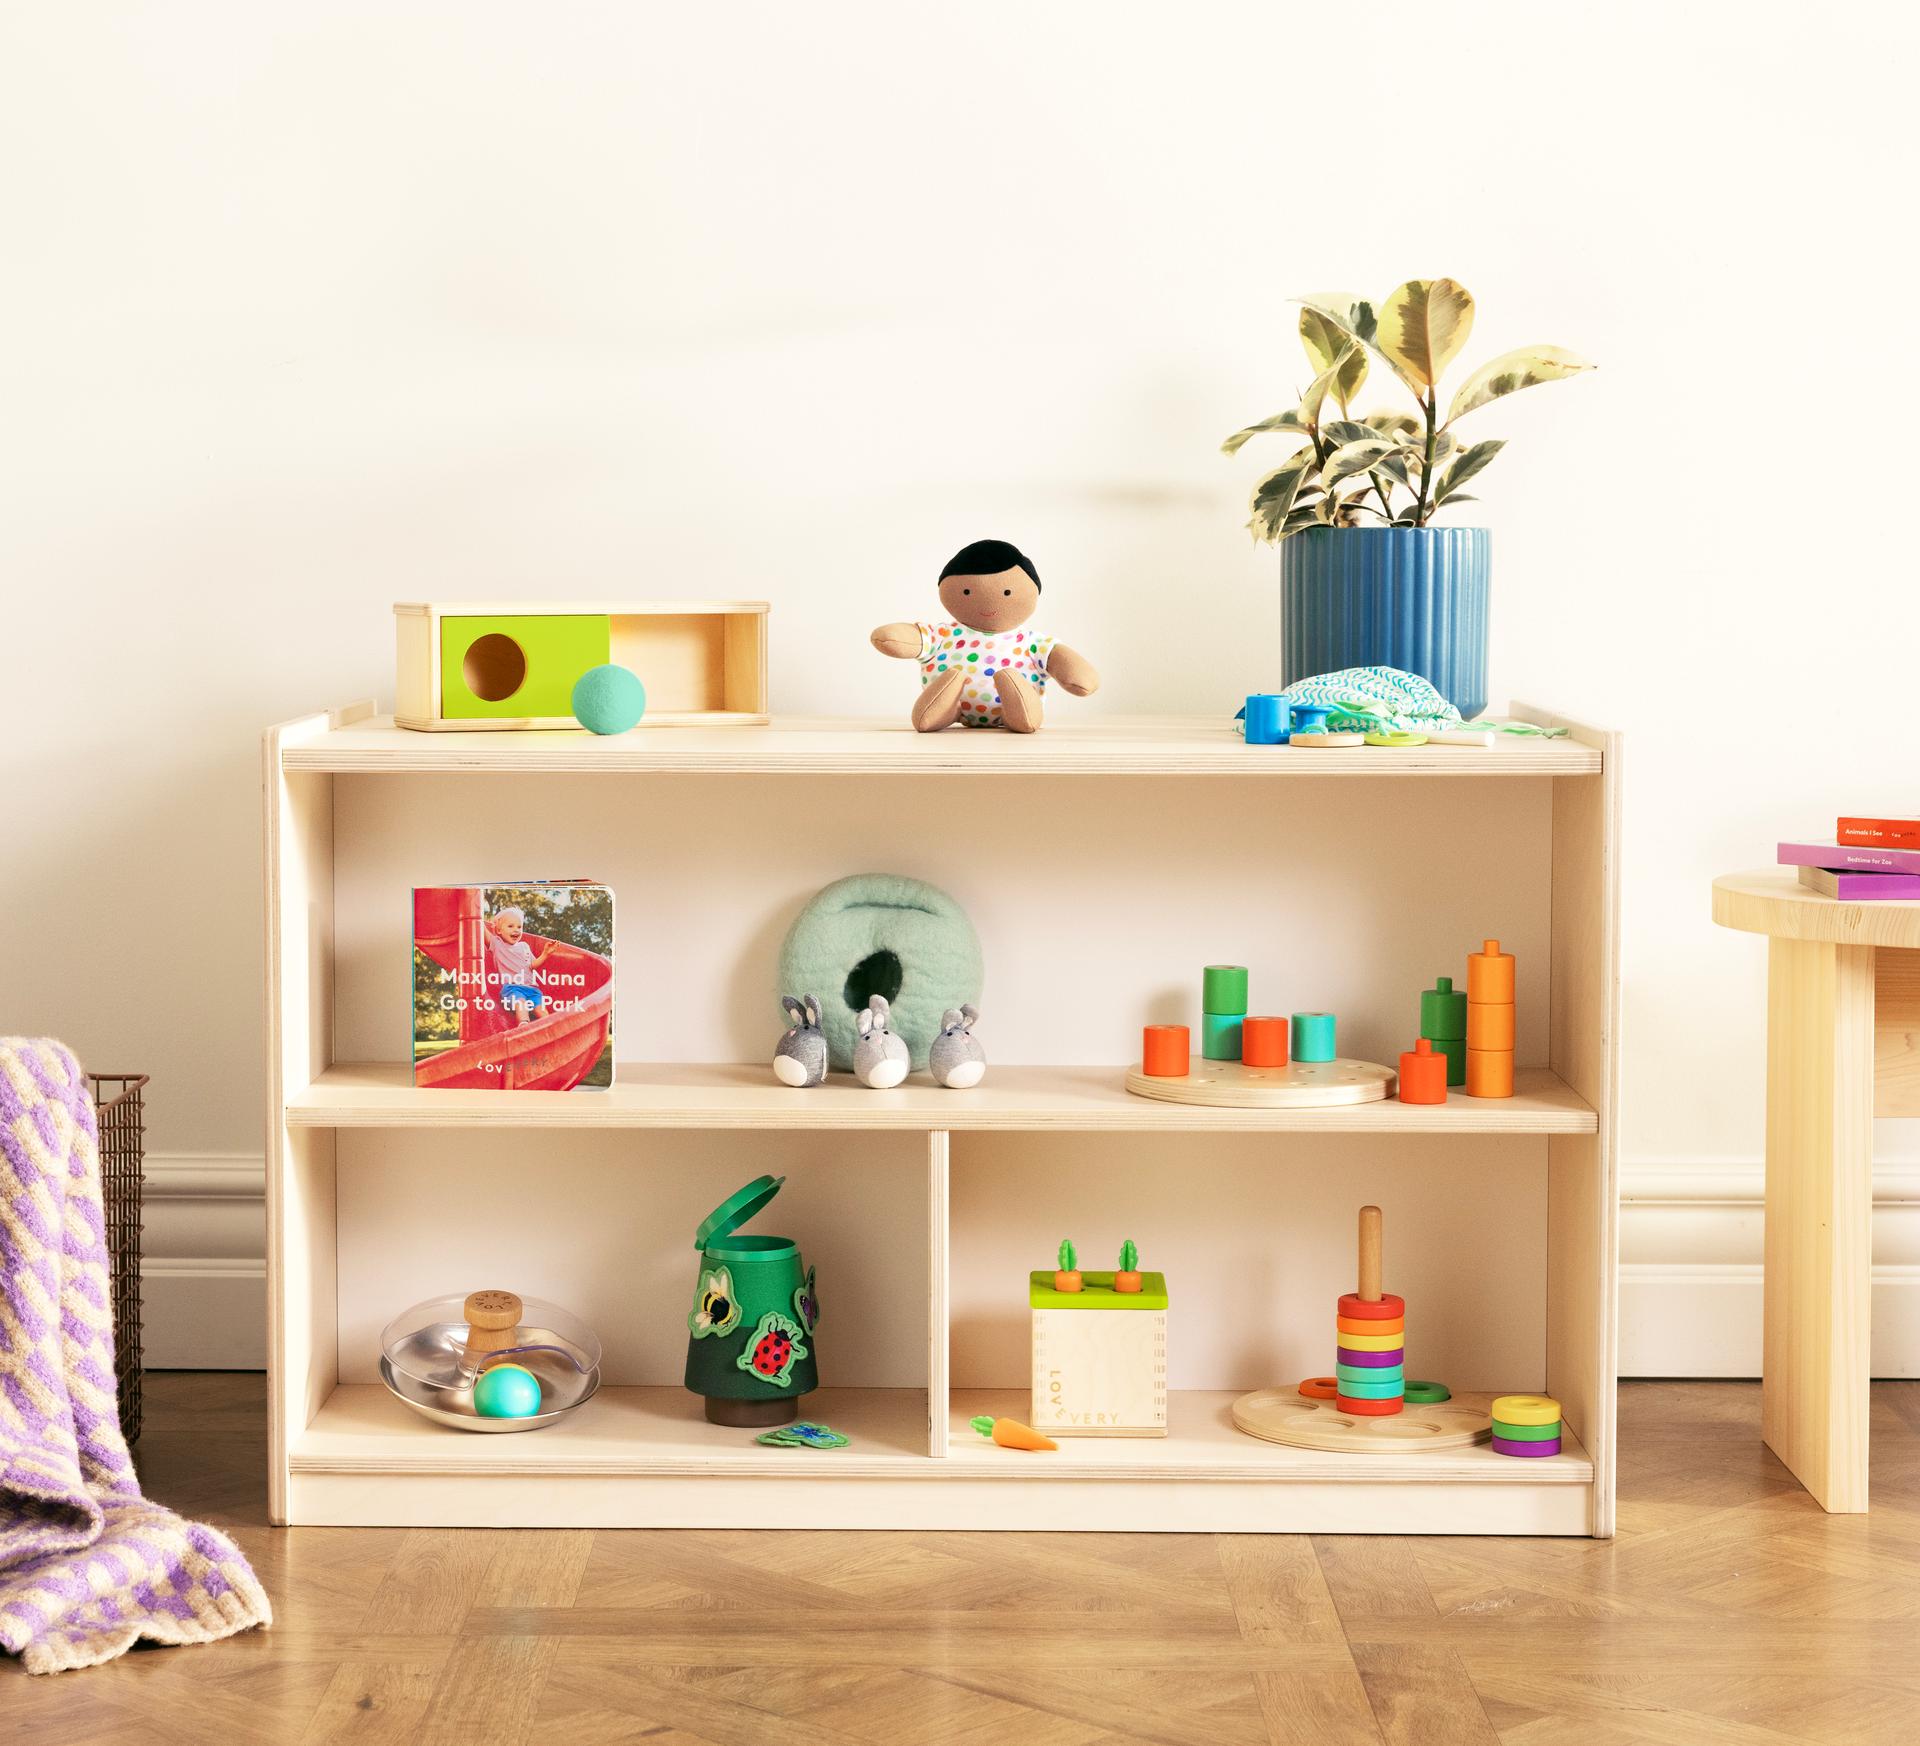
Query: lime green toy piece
x=507, y=1391
x=1223, y=989
x=519, y=664
x=1396, y=739
x=1096, y=1293
x=609, y=699
x=1220, y=1035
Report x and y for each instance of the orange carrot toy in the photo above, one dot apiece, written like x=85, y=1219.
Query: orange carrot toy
x=1067, y=1278
x=1011, y=1434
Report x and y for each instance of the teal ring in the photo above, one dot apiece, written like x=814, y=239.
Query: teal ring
x=1372, y=1390
x=1382, y=1373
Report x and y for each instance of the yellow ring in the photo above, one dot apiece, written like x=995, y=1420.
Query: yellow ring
x=1527, y=1409
x=1377, y=1343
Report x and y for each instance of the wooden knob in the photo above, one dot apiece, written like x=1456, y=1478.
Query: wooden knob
x=493, y=1322
x=1372, y=1241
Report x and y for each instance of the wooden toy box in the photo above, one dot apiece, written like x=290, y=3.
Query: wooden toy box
x=510, y=665
x=1099, y=1357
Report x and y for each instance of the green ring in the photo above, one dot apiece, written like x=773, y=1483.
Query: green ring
x=1526, y=1433
x=1428, y=1393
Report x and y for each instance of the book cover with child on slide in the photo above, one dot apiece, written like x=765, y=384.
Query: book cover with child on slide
x=513, y=986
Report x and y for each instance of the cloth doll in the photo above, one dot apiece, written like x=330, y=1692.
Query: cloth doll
x=983, y=667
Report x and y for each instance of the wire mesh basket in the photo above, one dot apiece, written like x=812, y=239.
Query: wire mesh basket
x=117, y=1104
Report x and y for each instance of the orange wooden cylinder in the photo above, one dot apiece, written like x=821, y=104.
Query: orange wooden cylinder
x=1490, y=976
x=1489, y=1072
x=1165, y=1051
x=1423, y=1073
x=1263, y=1042
x=1489, y=1026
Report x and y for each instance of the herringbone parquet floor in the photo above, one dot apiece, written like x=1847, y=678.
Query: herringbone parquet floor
x=1729, y=1612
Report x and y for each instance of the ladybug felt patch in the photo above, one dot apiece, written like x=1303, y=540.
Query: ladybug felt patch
x=774, y=1349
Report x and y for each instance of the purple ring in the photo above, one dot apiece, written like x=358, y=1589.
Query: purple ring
x=1380, y=1360
x=1506, y=1446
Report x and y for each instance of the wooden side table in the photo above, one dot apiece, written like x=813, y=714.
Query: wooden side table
x=1843, y=1045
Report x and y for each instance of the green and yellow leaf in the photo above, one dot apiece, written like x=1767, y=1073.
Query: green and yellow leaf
x=1422, y=327
x=1348, y=378
x=1273, y=496
x=1317, y=390
x=1290, y=422
x=1351, y=458
x=1324, y=338
x=1350, y=314
x=1512, y=371
x=1470, y=462
x=1393, y=423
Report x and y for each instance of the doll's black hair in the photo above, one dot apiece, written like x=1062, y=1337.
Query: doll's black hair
x=989, y=558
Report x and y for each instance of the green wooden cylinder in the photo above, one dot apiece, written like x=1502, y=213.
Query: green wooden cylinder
x=1443, y=1012
x=1223, y=989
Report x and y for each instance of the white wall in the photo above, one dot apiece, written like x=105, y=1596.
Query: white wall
x=307, y=309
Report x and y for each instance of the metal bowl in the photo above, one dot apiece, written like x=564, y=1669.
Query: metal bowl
x=560, y=1393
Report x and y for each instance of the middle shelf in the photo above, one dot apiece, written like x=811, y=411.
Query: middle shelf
x=381, y=1094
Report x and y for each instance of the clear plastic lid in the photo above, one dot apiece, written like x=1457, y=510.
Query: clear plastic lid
x=430, y=1341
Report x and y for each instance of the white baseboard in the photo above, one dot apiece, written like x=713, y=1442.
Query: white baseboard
x=1690, y=1248
x=203, y=1269
x=1690, y=1268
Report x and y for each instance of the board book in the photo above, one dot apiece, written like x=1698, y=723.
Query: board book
x=1879, y=833
x=1841, y=857
x=1862, y=887
x=513, y=986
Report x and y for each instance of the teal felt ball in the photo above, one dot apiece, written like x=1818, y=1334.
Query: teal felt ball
x=609, y=699
x=507, y=1391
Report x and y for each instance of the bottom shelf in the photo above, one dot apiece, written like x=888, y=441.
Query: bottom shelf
x=645, y=1457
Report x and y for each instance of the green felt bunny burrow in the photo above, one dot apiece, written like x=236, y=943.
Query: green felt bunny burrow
x=985, y=666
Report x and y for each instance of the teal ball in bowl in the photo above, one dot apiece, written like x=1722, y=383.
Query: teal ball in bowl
x=507, y=1391
x=609, y=699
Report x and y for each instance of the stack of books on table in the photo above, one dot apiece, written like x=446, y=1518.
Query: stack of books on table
x=1872, y=860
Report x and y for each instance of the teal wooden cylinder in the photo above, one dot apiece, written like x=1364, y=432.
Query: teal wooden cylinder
x=1220, y=1036
x=1313, y=1038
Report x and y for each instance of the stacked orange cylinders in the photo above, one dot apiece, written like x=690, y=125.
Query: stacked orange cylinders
x=1490, y=1027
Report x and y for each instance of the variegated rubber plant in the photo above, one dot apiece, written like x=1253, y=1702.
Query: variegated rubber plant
x=1385, y=467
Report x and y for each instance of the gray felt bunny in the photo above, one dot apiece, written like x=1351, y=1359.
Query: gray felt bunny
x=801, y=1058
x=880, y=1057
x=956, y=1059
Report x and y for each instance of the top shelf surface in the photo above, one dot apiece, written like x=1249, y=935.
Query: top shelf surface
x=827, y=745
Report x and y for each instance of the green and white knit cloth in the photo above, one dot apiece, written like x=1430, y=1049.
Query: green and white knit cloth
x=1390, y=700
x=1376, y=700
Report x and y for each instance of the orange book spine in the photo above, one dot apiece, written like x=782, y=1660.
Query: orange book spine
x=1878, y=833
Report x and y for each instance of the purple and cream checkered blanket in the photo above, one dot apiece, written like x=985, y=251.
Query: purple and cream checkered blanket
x=87, y=1565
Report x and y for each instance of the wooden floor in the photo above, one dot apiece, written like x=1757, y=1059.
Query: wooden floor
x=1729, y=1610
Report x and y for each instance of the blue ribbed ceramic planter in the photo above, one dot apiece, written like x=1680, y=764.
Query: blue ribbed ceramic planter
x=1407, y=597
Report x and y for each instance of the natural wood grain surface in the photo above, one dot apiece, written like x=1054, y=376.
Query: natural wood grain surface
x=1896, y=1033
x=1730, y=1608
x=1819, y=1228
x=830, y=745
x=1775, y=902
x=381, y=1094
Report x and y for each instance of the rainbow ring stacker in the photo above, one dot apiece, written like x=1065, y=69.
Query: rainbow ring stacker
x=1527, y=1409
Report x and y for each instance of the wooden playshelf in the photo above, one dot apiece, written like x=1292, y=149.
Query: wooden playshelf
x=638, y=1457
x=359, y=1161
x=357, y=740
x=1087, y=1099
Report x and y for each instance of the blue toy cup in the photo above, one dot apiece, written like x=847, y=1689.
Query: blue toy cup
x=1266, y=719
x=1309, y=718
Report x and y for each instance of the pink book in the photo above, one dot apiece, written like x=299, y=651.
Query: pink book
x=1840, y=857
x=1861, y=887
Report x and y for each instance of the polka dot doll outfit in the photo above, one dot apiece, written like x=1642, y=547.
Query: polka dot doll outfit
x=980, y=657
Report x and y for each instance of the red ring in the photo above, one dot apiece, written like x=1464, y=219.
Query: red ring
x=1369, y=1409
x=1385, y=1310
x=1320, y=1388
